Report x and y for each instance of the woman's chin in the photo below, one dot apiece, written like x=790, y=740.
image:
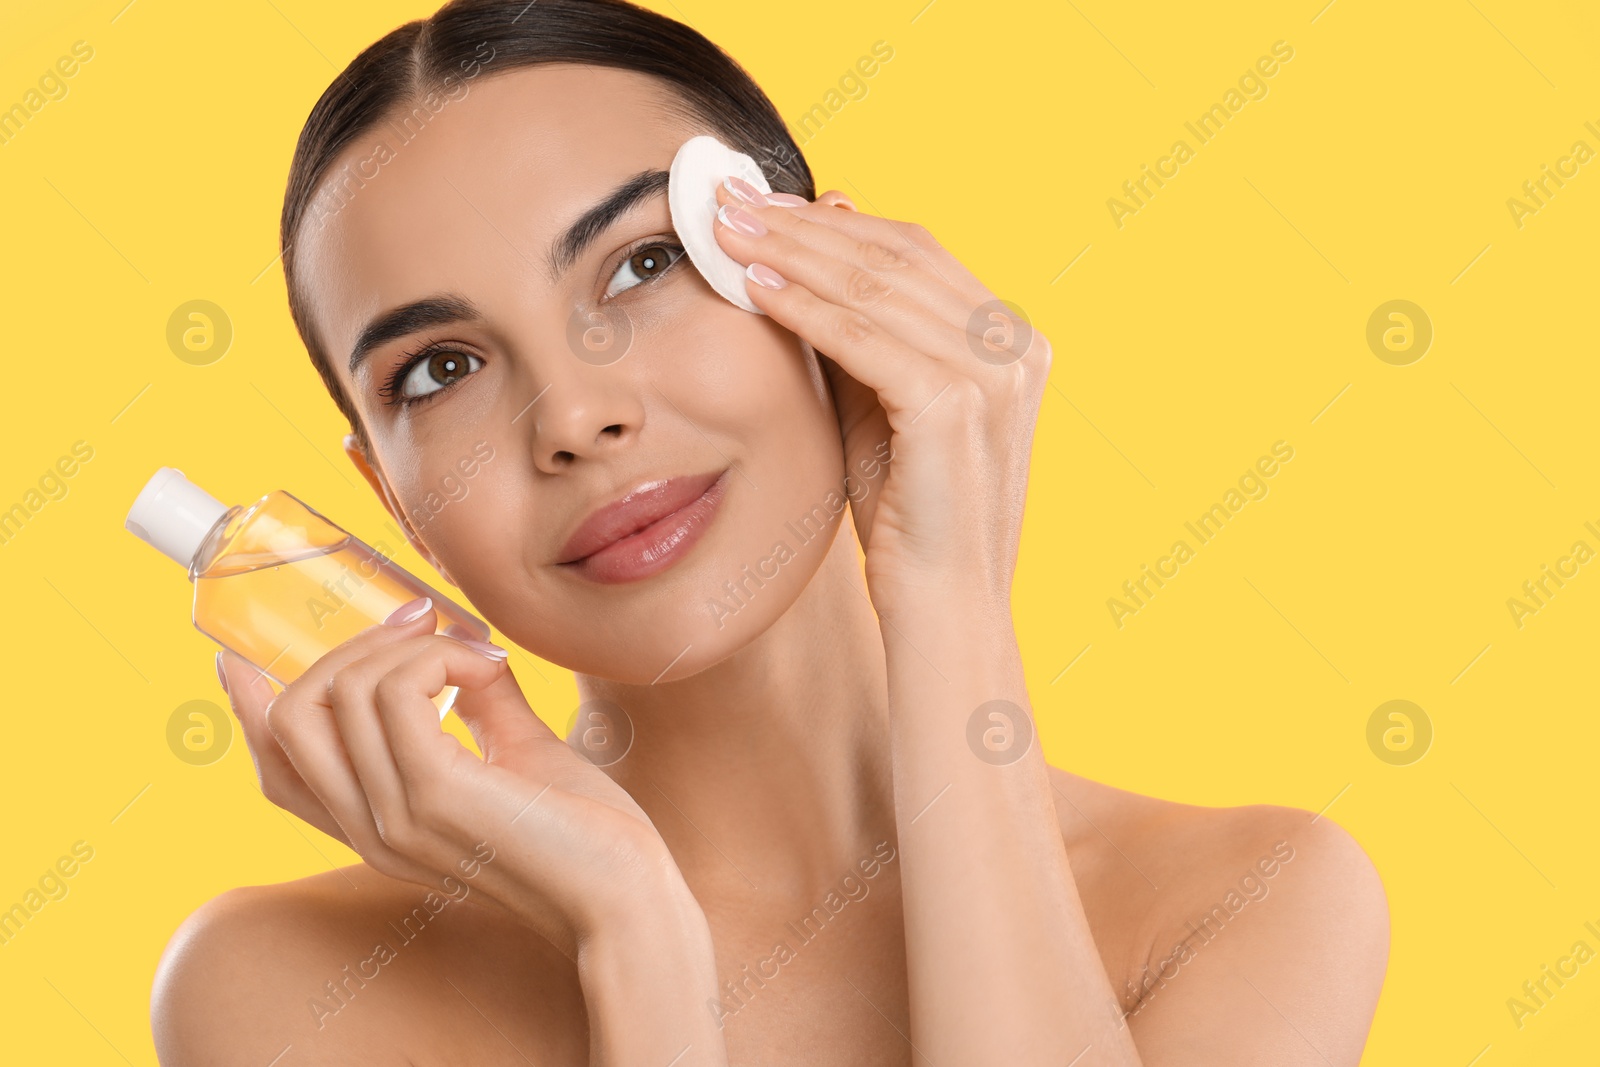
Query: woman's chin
x=669, y=637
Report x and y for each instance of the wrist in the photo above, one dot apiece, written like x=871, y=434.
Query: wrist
x=656, y=914
x=659, y=901
x=953, y=618
x=648, y=975
x=946, y=656
x=632, y=884
x=959, y=595
x=638, y=880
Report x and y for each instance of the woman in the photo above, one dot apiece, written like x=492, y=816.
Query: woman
x=802, y=817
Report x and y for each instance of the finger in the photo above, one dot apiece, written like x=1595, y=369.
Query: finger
x=412, y=675
x=909, y=238
x=305, y=724
x=903, y=378
x=366, y=694
x=854, y=403
x=823, y=229
x=911, y=303
x=353, y=705
x=249, y=693
x=914, y=239
x=869, y=302
x=308, y=692
x=501, y=719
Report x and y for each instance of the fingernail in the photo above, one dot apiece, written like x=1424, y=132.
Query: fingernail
x=741, y=220
x=222, y=679
x=744, y=190
x=764, y=275
x=786, y=200
x=409, y=612
x=494, y=652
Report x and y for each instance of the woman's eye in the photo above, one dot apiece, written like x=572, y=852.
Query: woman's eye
x=648, y=262
x=435, y=371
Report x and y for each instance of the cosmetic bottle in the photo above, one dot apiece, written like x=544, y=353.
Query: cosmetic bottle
x=276, y=582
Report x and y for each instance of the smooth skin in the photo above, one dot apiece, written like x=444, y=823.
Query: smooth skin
x=803, y=746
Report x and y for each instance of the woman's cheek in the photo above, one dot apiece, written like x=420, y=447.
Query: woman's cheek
x=739, y=369
x=466, y=514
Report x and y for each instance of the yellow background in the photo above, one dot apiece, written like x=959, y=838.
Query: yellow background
x=1229, y=313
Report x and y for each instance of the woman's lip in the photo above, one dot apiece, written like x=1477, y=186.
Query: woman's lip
x=613, y=546
x=658, y=545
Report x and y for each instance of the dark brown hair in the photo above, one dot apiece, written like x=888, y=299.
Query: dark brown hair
x=408, y=69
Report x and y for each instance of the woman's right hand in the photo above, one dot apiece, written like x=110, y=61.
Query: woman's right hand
x=354, y=747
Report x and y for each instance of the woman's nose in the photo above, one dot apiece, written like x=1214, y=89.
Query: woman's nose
x=587, y=413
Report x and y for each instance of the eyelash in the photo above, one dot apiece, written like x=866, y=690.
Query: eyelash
x=390, y=390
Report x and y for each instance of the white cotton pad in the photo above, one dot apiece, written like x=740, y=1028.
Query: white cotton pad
x=697, y=170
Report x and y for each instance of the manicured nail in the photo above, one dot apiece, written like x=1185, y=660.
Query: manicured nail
x=221, y=677
x=786, y=200
x=764, y=275
x=409, y=612
x=741, y=220
x=494, y=652
x=744, y=190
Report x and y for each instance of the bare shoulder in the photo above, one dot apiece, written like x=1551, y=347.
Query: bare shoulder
x=1218, y=922
x=352, y=966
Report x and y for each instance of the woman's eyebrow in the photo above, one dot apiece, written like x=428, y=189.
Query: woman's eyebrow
x=565, y=249
x=406, y=319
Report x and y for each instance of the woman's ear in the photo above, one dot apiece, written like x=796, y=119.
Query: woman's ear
x=358, y=457
x=834, y=198
x=380, y=485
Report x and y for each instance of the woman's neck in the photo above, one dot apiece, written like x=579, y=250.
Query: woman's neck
x=770, y=769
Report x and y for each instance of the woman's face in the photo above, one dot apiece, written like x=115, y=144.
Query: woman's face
x=553, y=376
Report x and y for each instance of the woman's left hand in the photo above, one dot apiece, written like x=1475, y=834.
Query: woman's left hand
x=920, y=355
x=906, y=327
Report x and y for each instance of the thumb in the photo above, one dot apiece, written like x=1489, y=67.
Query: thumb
x=853, y=402
x=499, y=717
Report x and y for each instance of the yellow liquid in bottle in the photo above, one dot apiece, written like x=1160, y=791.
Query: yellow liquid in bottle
x=282, y=586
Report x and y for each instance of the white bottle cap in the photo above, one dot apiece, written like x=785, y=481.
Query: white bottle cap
x=174, y=514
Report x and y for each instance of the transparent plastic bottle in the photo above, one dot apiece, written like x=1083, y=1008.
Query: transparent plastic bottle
x=276, y=582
